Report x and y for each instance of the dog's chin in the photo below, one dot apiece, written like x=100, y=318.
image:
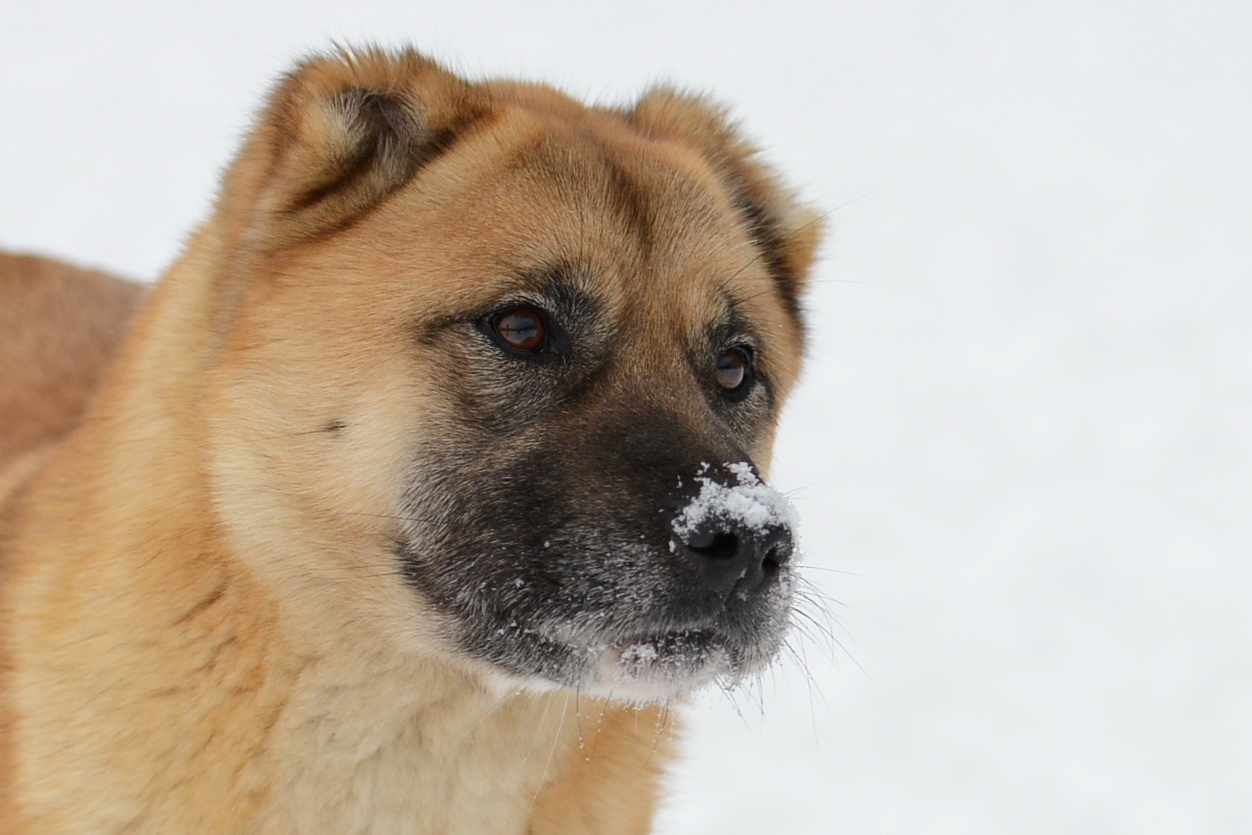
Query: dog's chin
x=664, y=667
x=647, y=669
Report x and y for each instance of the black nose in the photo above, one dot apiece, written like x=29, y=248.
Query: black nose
x=732, y=556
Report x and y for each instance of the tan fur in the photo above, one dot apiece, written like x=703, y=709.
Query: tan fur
x=58, y=326
x=201, y=633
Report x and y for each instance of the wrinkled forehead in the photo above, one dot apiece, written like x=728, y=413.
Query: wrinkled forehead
x=532, y=193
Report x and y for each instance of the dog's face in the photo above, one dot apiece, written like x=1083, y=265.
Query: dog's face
x=510, y=397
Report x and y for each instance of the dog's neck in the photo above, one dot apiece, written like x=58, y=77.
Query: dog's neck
x=395, y=754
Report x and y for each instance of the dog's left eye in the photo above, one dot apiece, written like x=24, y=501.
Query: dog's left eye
x=734, y=373
x=521, y=329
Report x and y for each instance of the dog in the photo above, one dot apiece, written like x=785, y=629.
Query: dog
x=421, y=485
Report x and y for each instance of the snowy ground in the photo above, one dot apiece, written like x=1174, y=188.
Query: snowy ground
x=1022, y=448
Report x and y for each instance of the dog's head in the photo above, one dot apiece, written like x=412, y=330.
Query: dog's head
x=499, y=373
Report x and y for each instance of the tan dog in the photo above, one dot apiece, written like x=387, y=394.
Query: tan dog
x=421, y=484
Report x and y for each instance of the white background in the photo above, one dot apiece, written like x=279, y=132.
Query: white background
x=1023, y=433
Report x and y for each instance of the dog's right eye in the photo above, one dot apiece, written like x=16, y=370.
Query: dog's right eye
x=521, y=329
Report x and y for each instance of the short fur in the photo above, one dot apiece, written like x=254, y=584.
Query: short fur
x=320, y=555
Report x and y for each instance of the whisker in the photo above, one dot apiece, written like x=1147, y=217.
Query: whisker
x=578, y=723
x=808, y=567
x=759, y=683
x=817, y=595
x=821, y=636
x=822, y=602
x=556, y=741
x=814, y=687
x=761, y=253
x=498, y=704
x=729, y=696
x=547, y=703
x=662, y=724
x=380, y=516
x=331, y=574
x=758, y=700
x=604, y=707
x=808, y=677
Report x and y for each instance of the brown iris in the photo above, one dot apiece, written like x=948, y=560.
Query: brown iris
x=522, y=329
x=732, y=370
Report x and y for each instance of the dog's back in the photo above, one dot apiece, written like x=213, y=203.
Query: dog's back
x=59, y=325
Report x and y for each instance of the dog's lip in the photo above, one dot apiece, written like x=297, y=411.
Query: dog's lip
x=650, y=646
x=740, y=631
x=666, y=631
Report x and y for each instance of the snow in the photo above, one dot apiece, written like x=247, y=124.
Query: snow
x=1020, y=449
x=639, y=654
x=750, y=501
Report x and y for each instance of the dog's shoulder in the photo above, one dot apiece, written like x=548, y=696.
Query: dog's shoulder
x=59, y=326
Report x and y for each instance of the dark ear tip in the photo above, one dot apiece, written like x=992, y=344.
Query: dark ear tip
x=785, y=231
x=343, y=130
x=387, y=116
x=354, y=99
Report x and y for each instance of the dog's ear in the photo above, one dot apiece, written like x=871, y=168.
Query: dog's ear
x=786, y=231
x=337, y=135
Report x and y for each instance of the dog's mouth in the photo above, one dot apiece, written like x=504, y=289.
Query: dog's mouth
x=720, y=648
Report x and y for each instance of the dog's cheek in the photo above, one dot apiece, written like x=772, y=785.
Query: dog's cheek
x=311, y=435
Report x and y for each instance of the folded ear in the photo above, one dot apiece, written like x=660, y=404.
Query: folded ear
x=786, y=231
x=337, y=135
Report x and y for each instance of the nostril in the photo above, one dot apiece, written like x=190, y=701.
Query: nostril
x=743, y=559
x=771, y=563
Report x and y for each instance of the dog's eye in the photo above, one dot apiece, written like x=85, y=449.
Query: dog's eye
x=734, y=373
x=521, y=329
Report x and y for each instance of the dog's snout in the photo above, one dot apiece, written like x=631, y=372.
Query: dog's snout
x=730, y=555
